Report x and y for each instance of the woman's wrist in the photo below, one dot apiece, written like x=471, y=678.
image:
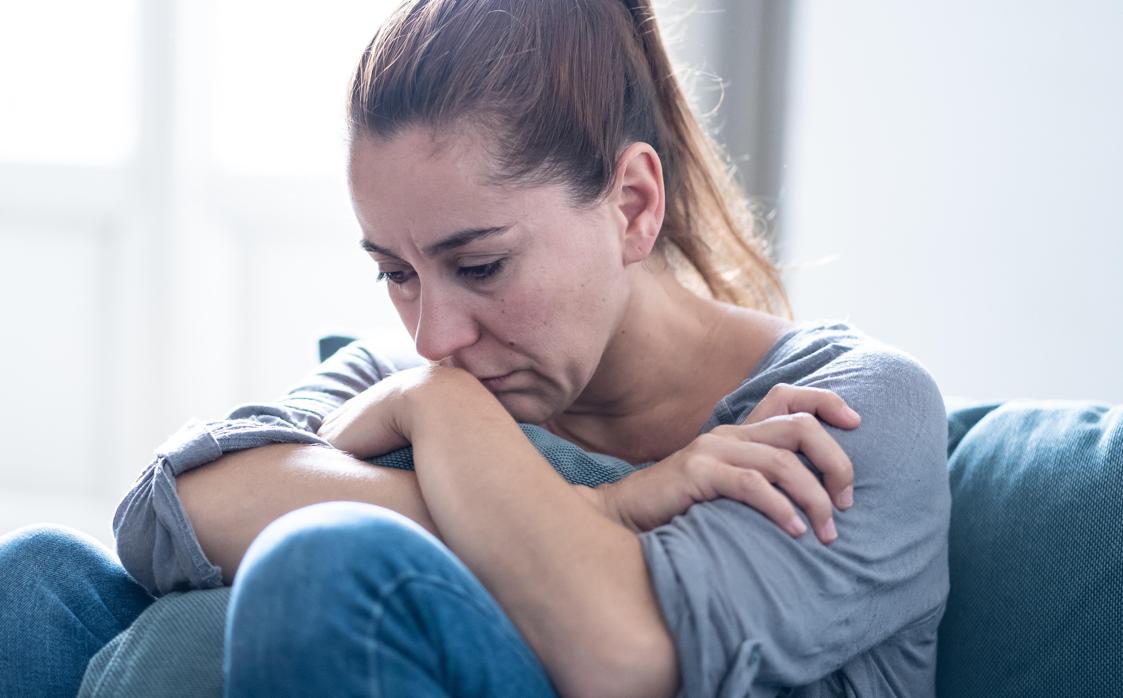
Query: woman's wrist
x=601, y=499
x=438, y=389
x=427, y=405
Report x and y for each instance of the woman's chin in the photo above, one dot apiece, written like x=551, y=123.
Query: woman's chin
x=522, y=407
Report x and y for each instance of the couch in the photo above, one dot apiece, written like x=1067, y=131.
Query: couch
x=1035, y=558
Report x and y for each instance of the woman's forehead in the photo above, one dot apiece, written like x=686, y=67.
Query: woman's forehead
x=400, y=183
x=412, y=155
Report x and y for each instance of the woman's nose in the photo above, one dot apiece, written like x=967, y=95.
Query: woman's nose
x=443, y=329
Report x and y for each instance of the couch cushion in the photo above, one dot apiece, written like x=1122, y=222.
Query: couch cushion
x=173, y=648
x=1035, y=551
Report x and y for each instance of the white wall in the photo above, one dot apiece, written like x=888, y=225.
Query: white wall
x=175, y=229
x=962, y=163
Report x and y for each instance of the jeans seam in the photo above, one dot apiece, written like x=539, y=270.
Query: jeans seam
x=392, y=586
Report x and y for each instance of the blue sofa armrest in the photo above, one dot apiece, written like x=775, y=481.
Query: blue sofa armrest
x=1035, y=550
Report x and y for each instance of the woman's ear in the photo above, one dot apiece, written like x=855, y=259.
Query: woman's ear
x=640, y=197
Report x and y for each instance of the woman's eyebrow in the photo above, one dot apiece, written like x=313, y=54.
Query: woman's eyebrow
x=450, y=242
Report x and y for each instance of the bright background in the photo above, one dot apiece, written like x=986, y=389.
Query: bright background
x=175, y=231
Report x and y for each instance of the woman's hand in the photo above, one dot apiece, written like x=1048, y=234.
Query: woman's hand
x=743, y=462
x=376, y=421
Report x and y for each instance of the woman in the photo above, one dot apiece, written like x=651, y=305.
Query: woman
x=568, y=252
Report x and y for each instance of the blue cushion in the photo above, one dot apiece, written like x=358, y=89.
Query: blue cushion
x=173, y=649
x=1035, y=551
x=331, y=343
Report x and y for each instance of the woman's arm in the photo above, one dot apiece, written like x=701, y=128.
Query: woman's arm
x=156, y=538
x=232, y=499
x=573, y=581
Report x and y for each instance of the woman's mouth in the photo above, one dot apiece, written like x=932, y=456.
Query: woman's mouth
x=497, y=382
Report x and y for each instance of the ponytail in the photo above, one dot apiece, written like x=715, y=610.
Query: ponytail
x=562, y=86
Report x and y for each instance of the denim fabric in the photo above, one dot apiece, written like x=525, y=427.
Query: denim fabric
x=63, y=597
x=353, y=599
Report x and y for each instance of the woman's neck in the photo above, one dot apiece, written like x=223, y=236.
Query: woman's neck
x=672, y=358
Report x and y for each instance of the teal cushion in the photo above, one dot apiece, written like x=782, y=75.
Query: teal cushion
x=1035, y=551
x=172, y=649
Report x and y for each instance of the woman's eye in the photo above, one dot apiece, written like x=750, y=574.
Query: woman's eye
x=476, y=273
x=483, y=271
x=394, y=277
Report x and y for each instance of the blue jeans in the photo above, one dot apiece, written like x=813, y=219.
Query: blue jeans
x=353, y=599
x=371, y=604
x=63, y=596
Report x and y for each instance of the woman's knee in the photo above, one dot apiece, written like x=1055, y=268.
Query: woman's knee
x=332, y=535
x=35, y=539
x=67, y=576
x=50, y=553
x=317, y=566
x=333, y=586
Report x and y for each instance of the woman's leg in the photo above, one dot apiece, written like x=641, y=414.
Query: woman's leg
x=63, y=597
x=354, y=599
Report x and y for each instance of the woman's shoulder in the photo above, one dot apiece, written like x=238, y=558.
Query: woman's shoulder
x=824, y=337
x=839, y=356
x=813, y=348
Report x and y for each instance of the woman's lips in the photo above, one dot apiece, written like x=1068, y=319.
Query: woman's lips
x=498, y=382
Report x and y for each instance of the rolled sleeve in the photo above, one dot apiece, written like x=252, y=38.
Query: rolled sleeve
x=155, y=540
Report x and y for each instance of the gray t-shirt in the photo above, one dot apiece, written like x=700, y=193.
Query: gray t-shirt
x=752, y=611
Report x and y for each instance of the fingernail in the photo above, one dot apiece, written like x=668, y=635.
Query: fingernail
x=856, y=415
x=846, y=498
x=830, y=533
x=796, y=526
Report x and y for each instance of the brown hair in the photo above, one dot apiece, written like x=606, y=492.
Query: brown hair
x=561, y=86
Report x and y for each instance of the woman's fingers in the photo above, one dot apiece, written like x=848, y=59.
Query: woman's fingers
x=803, y=432
x=784, y=398
x=825, y=404
x=753, y=488
x=781, y=467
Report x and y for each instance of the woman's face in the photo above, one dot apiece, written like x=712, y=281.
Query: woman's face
x=538, y=297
